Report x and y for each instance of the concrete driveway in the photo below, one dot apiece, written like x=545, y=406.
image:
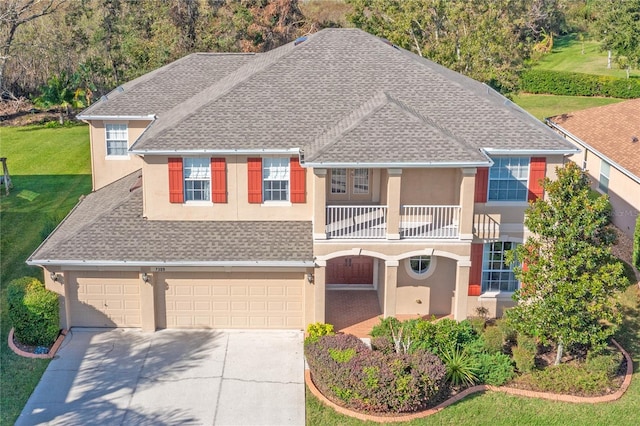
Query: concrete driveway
x=203, y=377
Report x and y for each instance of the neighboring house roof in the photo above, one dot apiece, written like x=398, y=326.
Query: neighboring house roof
x=342, y=96
x=107, y=228
x=609, y=130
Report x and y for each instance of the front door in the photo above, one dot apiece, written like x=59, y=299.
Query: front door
x=350, y=185
x=350, y=270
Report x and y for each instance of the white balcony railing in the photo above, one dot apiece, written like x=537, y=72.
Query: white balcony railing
x=356, y=221
x=429, y=221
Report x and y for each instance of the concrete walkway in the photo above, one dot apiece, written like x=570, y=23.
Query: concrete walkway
x=199, y=377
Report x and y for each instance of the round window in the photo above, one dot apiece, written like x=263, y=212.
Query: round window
x=420, y=264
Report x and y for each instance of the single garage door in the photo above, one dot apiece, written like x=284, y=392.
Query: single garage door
x=231, y=300
x=105, y=299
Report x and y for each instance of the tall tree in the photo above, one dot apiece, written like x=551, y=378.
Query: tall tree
x=619, y=27
x=570, y=277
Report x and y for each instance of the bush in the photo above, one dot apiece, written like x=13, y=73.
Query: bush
x=509, y=334
x=636, y=245
x=317, y=330
x=524, y=354
x=345, y=370
x=494, y=369
x=33, y=312
x=493, y=340
x=578, y=84
x=462, y=367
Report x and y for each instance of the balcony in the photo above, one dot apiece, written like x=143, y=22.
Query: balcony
x=370, y=222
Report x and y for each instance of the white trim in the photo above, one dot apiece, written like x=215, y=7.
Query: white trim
x=426, y=274
x=246, y=263
x=402, y=165
x=530, y=152
x=197, y=152
x=116, y=117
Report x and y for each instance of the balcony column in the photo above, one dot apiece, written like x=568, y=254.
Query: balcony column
x=319, y=204
x=390, y=287
x=467, y=193
x=394, y=181
x=460, y=301
x=319, y=292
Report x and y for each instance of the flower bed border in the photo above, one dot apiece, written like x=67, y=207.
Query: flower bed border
x=480, y=388
x=52, y=351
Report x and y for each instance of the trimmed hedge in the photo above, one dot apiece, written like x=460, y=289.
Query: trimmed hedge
x=578, y=84
x=33, y=312
x=346, y=370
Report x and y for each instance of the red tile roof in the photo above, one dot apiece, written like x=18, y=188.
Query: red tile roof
x=610, y=130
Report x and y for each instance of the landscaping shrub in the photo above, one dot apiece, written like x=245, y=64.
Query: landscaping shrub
x=462, y=367
x=33, y=312
x=344, y=369
x=524, y=354
x=494, y=369
x=493, y=340
x=509, y=334
x=578, y=84
x=317, y=330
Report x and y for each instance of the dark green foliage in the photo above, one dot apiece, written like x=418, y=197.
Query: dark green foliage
x=636, y=245
x=494, y=369
x=462, y=367
x=578, y=84
x=33, y=312
x=524, y=354
x=371, y=380
x=493, y=340
x=317, y=330
x=509, y=334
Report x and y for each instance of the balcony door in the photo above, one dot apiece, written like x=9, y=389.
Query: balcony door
x=350, y=185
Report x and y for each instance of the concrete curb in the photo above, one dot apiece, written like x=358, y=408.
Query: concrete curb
x=52, y=351
x=480, y=388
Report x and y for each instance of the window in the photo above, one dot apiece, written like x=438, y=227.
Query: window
x=497, y=276
x=508, y=178
x=197, y=179
x=275, y=179
x=116, y=139
x=603, y=182
x=420, y=267
x=361, y=181
x=339, y=181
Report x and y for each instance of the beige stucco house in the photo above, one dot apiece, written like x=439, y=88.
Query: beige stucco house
x=609, y=141
x=238, y=190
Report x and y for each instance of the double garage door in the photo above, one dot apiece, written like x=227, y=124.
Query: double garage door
x=193, y=300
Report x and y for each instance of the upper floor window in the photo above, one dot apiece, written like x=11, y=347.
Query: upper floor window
x=339, y=181
x=197, y=179
x=497, y=275
x=508, y=178
x=116, y=139
x=275, y=179
x=361, y=181
x=603, y=182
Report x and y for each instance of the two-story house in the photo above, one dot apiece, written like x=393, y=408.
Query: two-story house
x=237, y=190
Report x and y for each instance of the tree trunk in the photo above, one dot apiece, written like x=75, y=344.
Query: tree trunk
x=559, y=353
x=608, y=59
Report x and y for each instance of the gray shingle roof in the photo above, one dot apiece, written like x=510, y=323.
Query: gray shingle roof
x=293, y=95
x=107, y=226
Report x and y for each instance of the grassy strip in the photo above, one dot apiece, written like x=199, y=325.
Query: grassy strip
x=542, y=106
x=50, y=169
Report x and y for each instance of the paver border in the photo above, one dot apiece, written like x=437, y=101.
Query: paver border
x=480, y=388
x=52, y=351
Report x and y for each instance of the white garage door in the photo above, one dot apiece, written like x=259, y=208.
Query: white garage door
x=106, y=299
x=233, y=300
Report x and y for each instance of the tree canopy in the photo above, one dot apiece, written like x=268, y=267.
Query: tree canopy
x=619, y=27
x=569, y=276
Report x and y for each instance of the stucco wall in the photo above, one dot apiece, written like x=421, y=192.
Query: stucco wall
x=433, y=293
x=430, y=187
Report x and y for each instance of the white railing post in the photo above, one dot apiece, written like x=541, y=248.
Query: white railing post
x=437, y=222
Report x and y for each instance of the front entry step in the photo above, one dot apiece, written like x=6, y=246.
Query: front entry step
x=350, y=287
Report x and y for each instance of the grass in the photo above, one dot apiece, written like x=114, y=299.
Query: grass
x=543, y=106
x=50, y=169
x=500, y=409
x=567, y=55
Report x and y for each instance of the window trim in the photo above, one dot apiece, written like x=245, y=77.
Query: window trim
x=525, y=182
x=355, y=181
x=483, y=284
x=286, y=201
x=126, y=141
x=207, y=161
x=604, y=188
x=420, y=276
x=343, y=183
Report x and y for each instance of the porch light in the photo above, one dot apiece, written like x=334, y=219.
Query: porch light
x=145, y=277
x=310, y=278
x=55, y=277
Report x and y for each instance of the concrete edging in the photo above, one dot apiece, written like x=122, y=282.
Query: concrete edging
x=480, y=388
x=52, y=351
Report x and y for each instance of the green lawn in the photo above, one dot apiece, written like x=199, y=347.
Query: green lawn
x=542, y=106
x=567, y=56
x=50, y=169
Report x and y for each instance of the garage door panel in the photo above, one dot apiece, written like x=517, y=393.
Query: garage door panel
x=232, y=302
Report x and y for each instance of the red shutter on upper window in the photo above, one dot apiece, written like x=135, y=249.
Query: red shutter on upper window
x=482, y=180
x=254, y=167
x=298, y=181
x=537, y=172
x=176, y=181
x=475, y=273
x=218, y=180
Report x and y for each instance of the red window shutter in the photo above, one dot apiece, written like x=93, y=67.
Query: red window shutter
x=537, y=172
x=176, y=181
x=475, y=273
x=482, y=180
x=254, y=167
x=298, y=181
x=218, y=180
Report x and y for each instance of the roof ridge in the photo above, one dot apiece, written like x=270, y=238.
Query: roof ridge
x=175, y=115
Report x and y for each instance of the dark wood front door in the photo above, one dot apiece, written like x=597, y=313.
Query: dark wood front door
x=350, y=270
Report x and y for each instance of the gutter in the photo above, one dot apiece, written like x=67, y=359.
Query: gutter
x=116, y=117
x=399, y=165
x=286, y=151
x=244, y=263
x=497, y=151
x=590, y=148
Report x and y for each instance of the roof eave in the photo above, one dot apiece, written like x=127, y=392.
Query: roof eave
x=88, y=117
x=498, y=151
x=137, y=263
x=261, y=151
x=398, y=165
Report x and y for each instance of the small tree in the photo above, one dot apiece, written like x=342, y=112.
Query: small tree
x=570, y=276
